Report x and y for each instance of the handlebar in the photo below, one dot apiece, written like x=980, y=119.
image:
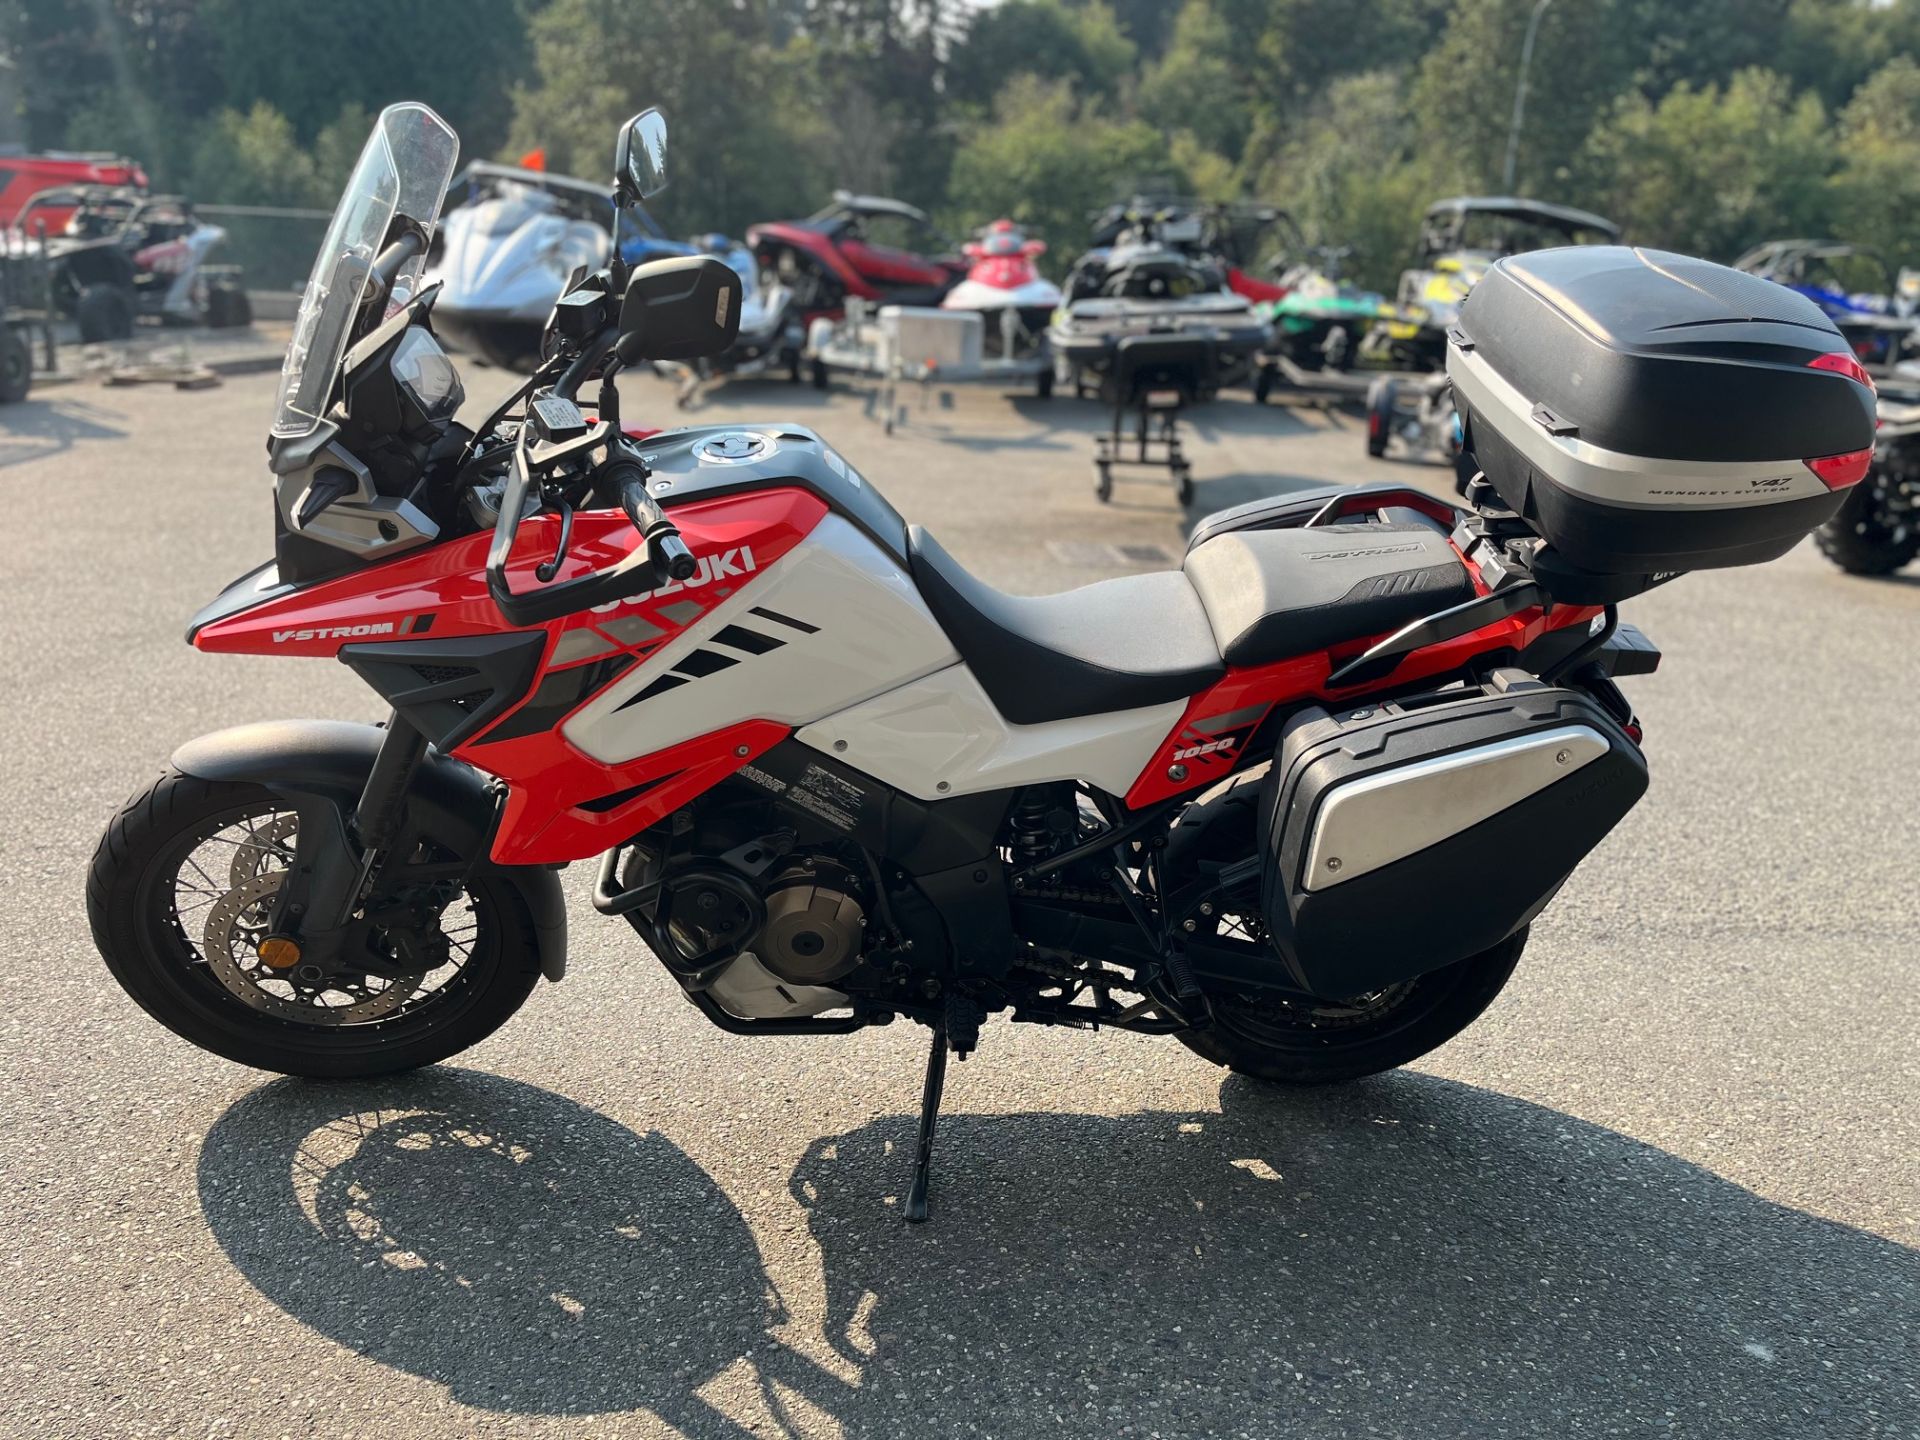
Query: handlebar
x=660, y=556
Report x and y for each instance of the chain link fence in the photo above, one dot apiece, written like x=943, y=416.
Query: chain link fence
x=273, y=245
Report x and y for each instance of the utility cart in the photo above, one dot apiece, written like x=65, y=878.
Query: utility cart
x=923, y=346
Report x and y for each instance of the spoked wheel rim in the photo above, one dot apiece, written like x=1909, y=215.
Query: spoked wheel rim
x=216, y=885
x=1299, y=1025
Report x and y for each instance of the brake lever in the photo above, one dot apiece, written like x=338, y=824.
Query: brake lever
x=547, y=569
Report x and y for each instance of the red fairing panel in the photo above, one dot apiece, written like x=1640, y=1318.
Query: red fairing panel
x=1218, y=722
x=441, y=592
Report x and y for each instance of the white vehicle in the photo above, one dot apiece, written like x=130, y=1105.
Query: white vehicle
x=506, y=253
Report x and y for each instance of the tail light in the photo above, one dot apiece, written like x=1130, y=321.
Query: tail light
x=1841, y=363
x=1837, y=472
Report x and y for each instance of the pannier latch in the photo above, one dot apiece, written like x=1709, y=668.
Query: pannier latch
x=1553, y=424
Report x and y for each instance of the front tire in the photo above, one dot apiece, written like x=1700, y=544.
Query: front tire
x=188, y=855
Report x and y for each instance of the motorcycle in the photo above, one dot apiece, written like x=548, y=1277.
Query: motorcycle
x=1877, y=530
x=1006, y=288
x=1294, y=804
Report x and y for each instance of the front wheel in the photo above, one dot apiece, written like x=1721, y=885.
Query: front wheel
x=179, y=896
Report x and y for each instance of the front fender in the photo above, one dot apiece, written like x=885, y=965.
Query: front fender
x=329, y=760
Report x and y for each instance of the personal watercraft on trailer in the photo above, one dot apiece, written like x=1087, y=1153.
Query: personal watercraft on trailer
x=1877, y=310
x=1459, y=240
x=1226, y=241
x=1295, y=803
x=1147, y=283
x=505, y=253
x=1005, y=288
x=862, y=247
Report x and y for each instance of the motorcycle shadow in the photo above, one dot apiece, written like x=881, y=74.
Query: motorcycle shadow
x=1405, y=1256
x=530, y=1254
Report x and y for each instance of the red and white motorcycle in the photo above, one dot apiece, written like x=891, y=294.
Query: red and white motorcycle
x=1294, y=804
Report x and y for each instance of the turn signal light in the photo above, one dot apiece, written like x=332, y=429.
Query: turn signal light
x=1841, y=363
x=1837, y=472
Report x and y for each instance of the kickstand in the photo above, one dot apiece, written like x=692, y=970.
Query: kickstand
x=929, y=1112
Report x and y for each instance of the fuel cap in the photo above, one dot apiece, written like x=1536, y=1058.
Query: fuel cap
x=735, y=447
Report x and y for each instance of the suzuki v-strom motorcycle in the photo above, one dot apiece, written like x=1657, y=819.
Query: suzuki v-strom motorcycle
x=1294, y=804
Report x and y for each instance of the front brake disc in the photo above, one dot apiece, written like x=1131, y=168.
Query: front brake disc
x=235, y=927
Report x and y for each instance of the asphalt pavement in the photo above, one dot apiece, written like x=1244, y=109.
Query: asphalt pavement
x=1668, y=1186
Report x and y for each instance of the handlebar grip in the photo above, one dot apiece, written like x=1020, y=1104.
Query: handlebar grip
x=670, y=553
x=673, y=553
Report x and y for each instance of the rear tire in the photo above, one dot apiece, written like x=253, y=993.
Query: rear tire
x=145, y=935
x=1864, y=537
x=1294, y=1044
x=16, y=366
x=1383, y=398
x=1268, y=1037
x=103, y=313
x=228, y=308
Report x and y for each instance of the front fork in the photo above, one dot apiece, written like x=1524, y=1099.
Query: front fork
x=336, y=857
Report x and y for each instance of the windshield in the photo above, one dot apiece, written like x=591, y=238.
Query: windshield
x=403, y=171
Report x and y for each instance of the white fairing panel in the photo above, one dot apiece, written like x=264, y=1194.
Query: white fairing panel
x=941, y=736
x=867, y=631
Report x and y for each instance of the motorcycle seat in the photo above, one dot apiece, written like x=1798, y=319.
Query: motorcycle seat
x=1273, y=594
x=1114, y=645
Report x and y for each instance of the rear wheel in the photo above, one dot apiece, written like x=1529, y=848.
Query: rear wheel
x=1875, y=531
x=1383, y=403
x=1296, y=1041
x=103, y=312
x=1327, y=1041
x=179, y=896
x=228, y=308
x=16, y=366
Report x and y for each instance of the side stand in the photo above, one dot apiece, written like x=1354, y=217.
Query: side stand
x=929, y=1113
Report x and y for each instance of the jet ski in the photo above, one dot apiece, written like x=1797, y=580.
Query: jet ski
x=505, y=252
x=1145, y=283
x=1006, y=289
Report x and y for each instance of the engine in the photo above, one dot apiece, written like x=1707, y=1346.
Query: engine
x=771, y=947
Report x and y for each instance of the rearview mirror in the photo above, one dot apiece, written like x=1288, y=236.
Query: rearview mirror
x=640, y=159
x=686, y=308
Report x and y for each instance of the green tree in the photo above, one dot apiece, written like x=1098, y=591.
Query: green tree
x=1715, y=170
x=1876, y=195
x=727, y=93
x=1348, y=173
x=1049, y=159
x=1039, y=37
x=1196, y=86
x=309, y=59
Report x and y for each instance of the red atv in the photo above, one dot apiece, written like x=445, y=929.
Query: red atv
x=861, y=246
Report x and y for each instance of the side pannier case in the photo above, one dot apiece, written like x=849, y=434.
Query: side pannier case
x=1650, y=413
x=1404, y=836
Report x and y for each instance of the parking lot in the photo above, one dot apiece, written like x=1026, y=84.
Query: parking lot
x=1669, y=1185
